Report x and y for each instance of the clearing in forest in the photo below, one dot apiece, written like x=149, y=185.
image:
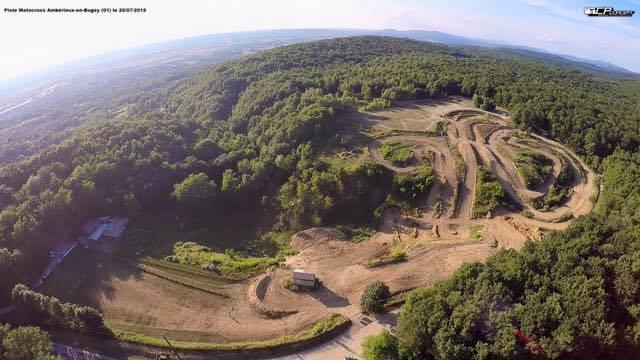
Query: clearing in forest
x=491, y=186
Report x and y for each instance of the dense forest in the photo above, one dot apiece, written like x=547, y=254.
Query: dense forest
x=249, y=133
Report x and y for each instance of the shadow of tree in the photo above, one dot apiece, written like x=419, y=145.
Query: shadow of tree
x=388, y=318
x=329, y=298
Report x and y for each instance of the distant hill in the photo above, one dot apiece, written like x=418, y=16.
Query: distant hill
x=558, y=59
x=251, y=41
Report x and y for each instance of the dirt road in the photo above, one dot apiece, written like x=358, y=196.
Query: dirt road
x=349, y=344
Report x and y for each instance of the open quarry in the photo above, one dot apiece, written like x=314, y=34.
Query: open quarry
x=436, y=241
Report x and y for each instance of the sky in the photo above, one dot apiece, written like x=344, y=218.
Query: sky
x=32, y=42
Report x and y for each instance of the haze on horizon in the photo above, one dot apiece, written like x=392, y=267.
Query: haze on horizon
x=40, y=41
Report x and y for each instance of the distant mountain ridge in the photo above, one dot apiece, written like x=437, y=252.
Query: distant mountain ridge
x=449, y=39
x=273, y=38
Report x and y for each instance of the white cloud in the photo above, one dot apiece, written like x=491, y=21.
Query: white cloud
x=544, y=37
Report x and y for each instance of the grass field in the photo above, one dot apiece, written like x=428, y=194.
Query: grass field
x=156, y=235
x=475, y=232
x=232, y=264
x=86, y=268
x=325, y=326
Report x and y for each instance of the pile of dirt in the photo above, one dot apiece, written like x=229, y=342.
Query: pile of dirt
x=317, y=236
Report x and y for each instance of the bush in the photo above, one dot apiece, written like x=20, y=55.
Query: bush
x=485, y=103
x=532, y=167
x=397, y=153
x=49, y=310
x=383, y=346
x=374, y=297
x=489, y=105
x=397, y=254
x=489, y=193
x=410, y=186
x=377, y=104
x=478, y=100
x=356, y=234
x=554, y=197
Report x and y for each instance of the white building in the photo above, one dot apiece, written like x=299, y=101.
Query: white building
x=108, y=226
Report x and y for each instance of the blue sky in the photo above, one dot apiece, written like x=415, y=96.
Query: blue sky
x=38, y=41
x=559, y=26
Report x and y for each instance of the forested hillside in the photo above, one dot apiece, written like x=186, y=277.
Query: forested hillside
x=247, y=134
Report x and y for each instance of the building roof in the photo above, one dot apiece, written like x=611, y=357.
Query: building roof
x=116, y=227
x=97, y=233
x=110, y=226
x=302, y=275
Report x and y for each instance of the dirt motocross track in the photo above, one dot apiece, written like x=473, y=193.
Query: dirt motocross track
x=436, y=243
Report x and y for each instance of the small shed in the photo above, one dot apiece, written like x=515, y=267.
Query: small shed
x=107, y=226
x=117, y=226
x=300, y=277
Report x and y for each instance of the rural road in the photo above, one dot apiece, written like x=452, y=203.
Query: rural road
x=71, y=353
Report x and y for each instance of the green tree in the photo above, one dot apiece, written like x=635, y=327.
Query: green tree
x=195, y=194
x=230, y=181
x=383, y=346
x=488, y=104
x=206, y=149
x=478, y=100
x=374, y=296
x=4, y=330
x=28, y=343
x=132, y=205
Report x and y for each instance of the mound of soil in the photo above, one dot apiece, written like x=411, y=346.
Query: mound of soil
x=316, y=236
